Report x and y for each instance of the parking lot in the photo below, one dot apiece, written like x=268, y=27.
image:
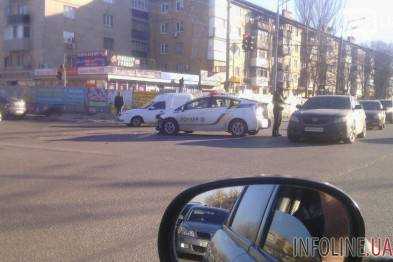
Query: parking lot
x=96, y=191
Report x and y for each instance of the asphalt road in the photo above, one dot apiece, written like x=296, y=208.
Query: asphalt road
x=72, y=192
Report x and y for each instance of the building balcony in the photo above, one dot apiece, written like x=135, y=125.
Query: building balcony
x=263, y=45
x=259, y=81
x=18, y=44
x=259, y=62
x=18, y=19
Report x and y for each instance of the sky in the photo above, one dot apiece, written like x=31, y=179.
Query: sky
x=378, y=24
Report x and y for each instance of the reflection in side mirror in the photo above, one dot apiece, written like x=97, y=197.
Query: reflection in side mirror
x=282, y=218
x=299, y=106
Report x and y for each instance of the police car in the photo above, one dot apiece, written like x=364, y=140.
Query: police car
x=215, y=113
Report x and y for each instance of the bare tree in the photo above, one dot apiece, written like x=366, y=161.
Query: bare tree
x=323, y=16
x=223, y=198
x=383, y=60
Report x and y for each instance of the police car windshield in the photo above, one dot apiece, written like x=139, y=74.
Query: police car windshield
x=370, y=105
x=327, y=103
x=208, y=216
x=387, y=103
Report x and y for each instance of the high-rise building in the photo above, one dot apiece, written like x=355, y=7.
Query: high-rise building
x=42, y=34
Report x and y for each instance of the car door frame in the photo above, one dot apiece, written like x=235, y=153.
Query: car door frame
x=152, y=113
x=264, y=223
x=359, y=116
x=192, y=125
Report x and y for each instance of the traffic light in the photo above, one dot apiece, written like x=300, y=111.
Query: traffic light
x=252, y=43
x=248, y=42
x=60, y=72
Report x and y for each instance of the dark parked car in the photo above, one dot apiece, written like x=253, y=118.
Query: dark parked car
x=198, y=227
x=375, y=114
x=388, y=107
x=339, y=118
x=12, y=107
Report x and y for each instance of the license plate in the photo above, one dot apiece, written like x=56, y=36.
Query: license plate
x=314, y=129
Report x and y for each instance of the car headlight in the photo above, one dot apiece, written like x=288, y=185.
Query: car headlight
x=295, y=119
x=185, y=232
x=342, y=119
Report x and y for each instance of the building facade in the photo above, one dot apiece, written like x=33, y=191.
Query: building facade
x=49, y=33
x=179, y=33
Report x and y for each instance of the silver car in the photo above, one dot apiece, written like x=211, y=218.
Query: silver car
x=12, y=107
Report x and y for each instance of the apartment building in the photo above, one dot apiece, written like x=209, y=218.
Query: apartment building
x=179, y=35
x=42, y=34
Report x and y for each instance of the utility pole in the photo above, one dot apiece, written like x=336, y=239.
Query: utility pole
x=65, y=71
x=276, y=48
x=228, y=45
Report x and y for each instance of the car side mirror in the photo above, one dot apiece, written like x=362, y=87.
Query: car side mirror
x=299, y=106
x=290, y=209
x=357, y=107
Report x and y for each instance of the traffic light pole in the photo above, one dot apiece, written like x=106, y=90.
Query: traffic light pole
x=64, y=71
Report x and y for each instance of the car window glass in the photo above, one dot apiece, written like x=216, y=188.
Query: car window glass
x=326, y=102
x=309, y=213
x=207, y=216
x=220, y=102
x=251, y=210
x=158, y=105
x=197, y=104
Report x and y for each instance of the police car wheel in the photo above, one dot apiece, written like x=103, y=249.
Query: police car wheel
x=238, y=128
x=170, y=127
x=136, y=121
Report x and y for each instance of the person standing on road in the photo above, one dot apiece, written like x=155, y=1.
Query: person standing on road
x=119, y=103
x=278, y=107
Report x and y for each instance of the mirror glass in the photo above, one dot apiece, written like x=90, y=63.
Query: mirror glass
x=281, y=222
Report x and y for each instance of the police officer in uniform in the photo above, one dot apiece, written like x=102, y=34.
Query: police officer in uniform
x=278, y=103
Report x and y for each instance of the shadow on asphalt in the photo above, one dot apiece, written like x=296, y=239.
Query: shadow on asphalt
x=219, y=141
x=383, y=141
x=153, y=184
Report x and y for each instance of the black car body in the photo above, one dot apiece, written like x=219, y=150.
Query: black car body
x=195, y=232
x=375, y=114
x=329, y=117
x=388, y=107
x=12, y=107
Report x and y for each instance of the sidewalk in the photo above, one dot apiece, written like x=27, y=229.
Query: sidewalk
x=77, y=118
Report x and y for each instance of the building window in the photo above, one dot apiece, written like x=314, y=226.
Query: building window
x=182, y=68
x=164, y=28
x=108, y=1
x=164, y=49
x=164, y=7
x=69, y=37
x=139, y=4
x=179, y=5
x=69, y=12
x=108, y=20
x=179, y=48
x=109, y=43
x=164, y=67
x=26, y=32
x=179, y=27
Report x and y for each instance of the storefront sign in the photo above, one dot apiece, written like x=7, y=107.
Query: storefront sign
x=45, y=72
x=91, y=59
x=124, y=61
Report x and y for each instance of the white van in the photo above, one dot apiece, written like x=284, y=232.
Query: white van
x=160, y=105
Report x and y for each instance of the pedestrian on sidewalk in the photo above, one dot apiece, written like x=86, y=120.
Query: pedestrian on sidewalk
x=119, y=103
x=278, y=103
